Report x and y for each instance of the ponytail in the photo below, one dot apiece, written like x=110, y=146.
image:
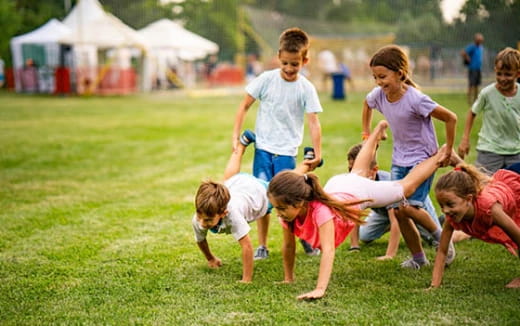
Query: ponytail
x=463, y=180
x=291, y=188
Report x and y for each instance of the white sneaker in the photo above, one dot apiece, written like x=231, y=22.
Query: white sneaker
x=450, y=256
x=412, y=264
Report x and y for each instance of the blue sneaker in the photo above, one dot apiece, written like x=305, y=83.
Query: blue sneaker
x=308, y=154
x=247, y=137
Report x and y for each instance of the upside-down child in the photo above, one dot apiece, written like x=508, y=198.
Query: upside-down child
x=324, y=216
x=381, y=220
x=487, y=208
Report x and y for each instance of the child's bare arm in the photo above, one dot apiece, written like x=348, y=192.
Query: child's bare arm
x=450, y=119
x=213, y=261
x=395, y=236
x=288, y=254
x=366, y=119
x=440, y=258
x=328, y=252
x=506, y=223
x=240, y=117
x=315, y=132
x=247, y=259
x=464, y=145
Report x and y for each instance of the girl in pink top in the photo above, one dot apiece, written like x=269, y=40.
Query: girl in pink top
x=483, y=207
x=324, y=216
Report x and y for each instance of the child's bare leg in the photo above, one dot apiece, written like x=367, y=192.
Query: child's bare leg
x=420, y=173
x=354, y=238
x=423, y=218
x=234, y=162
x=367, y=153
x=262, y=226
x=409, y=231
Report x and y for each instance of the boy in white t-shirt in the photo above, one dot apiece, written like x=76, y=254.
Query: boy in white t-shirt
x=229, y=207
x=286, y=97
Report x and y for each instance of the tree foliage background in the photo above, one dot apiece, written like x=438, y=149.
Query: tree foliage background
x=413, y=21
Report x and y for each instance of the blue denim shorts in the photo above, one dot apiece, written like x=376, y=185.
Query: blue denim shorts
x=266, y=165
x=420, y=194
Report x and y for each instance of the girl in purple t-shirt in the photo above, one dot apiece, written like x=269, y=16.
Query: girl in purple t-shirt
x=409, y=113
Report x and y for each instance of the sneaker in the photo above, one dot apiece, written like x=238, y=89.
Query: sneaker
x=450, y=256
x=313, y=252
x=247, y=137
x=309, y=250
x=308, y=154
x=412, y=264
x=261, y=253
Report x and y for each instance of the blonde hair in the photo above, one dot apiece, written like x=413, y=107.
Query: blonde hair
x=394, y=58
x=211, y=198
x=291, y=188
x=294, y=40
x=463, y=180
x=508, y=59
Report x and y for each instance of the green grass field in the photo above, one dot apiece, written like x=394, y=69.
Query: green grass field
x=95, y=208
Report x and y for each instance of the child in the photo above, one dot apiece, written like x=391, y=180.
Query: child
x=285, y=96
x=381, y=220
x=325, y=216
x=229, y=207
x=483, y=207
x=499, y=138
x=409, y=113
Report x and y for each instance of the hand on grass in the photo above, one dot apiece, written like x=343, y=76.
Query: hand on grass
x=313, y=295
x=385, y=257
x=214, y=263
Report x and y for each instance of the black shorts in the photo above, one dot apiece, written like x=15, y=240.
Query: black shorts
x=474, y=77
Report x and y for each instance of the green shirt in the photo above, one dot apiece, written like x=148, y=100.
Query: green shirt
x=500, y=131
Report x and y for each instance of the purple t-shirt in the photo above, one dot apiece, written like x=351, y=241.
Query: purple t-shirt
x=410, y=123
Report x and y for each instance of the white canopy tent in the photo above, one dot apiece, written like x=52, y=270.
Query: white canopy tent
x=48, y=38
x=168, y=35
x=94, y=29
x=169, y=43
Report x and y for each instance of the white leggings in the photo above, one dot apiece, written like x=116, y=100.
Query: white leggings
x=382, y=193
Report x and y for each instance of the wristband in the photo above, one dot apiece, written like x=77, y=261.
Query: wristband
x=364, y=135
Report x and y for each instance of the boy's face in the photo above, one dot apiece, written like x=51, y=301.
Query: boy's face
x=505, y=78
x=290, y=64
x=207, y=222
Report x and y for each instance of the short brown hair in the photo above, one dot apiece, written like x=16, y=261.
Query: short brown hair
x=211, y=198
x=353, y=153
x=294, y=40
x=508, y=59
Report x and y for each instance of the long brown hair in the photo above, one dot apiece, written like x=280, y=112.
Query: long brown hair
x=464, y=180
x=292, y=188
x=394, y=58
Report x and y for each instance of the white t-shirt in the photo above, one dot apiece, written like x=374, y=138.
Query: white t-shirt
x=283, y=104
x=247, y=204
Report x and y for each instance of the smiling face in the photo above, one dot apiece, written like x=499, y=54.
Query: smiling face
x=288, y=212
x=506, y=79
x=455, y=207
x=389, y=80
x=290, y=64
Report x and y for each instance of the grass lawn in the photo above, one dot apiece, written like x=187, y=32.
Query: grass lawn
x=96, y=199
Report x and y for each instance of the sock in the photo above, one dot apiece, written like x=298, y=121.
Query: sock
x=437, y=235
x=420, y=258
